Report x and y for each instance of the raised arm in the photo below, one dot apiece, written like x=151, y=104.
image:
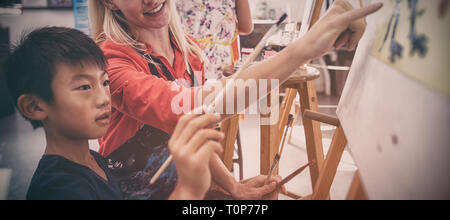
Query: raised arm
x=143, y=96
x=341, y=25
x=244, y=17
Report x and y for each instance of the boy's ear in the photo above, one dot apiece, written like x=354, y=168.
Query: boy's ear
x=109, y=4
x=31, y=107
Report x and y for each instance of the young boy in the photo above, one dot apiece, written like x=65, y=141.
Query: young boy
x=58, y=81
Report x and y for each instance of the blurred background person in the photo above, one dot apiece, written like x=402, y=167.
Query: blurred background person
x=216, y=24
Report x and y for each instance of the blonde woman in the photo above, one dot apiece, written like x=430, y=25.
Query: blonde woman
x=149, y=54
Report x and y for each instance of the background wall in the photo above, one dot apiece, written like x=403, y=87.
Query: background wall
x=292, y=7
x=21, y=147
x=35, y=18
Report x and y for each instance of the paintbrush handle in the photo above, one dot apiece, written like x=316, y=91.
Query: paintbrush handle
x=274, y=165
x=289, y=125
x=277, y=158
x=246, y=64
x=242, y=68
x=294, y=174
x=161, y=169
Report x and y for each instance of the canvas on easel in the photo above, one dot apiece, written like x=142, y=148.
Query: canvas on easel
x=395, y=106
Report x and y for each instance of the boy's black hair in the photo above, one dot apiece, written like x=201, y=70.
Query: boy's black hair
x=31, y=67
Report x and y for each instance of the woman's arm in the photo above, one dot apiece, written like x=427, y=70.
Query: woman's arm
x=341, y=25
x=244, y=17
x=149, y=100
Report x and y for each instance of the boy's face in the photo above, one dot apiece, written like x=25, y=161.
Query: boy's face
x=81, y=102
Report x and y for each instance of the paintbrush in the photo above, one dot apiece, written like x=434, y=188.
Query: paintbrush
x=294, y=174
x=276, y=160
x=219, y=98
x=246, y=64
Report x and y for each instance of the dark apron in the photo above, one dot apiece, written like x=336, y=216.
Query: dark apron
x=134, y=163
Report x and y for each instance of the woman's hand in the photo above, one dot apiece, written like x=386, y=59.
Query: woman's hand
x=192, y=145
x=254, y=189
x=341, y=25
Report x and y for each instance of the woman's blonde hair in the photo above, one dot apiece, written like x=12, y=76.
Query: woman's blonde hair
x=112, y=25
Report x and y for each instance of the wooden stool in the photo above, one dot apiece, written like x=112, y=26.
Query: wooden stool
x=301, y=82
x=301, y=75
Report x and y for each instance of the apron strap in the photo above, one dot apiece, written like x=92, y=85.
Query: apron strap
x=154, y=70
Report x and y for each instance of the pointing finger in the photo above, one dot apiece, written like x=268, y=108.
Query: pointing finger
x=361, y=13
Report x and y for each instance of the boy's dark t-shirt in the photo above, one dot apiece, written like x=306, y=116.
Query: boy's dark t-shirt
x=59, y=178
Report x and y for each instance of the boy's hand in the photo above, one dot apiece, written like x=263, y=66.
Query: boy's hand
x=192, y=144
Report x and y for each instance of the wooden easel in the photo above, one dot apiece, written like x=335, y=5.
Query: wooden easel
x=322, y=171
x=328, y=171
x=270, y=135
x=230, y=128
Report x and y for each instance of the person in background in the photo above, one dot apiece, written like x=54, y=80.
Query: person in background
x=216, y=24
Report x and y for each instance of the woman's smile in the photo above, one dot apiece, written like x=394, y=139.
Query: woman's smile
x=157, y=10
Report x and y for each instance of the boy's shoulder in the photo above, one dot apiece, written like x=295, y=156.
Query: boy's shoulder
x=99, y=158
x=57, y=178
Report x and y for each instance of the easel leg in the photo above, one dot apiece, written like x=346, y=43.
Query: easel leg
x=356, y=191
x=329, y=169
x=230, y=129
x=269, y=143
x=283, y=120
